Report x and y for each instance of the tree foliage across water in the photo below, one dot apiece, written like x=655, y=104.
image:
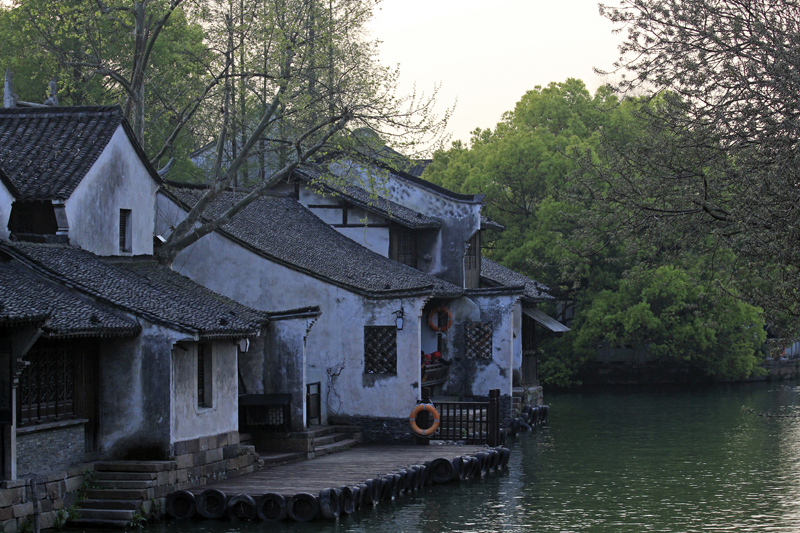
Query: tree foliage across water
x=677, y=308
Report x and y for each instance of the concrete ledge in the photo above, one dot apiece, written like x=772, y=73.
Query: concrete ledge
x=50, y=426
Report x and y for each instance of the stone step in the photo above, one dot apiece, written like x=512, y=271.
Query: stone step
x=135, y=466
x=330, y=439
x=335, y=447
x=121, y=505
x=124, y=476
x=96, y=523
x=271, y=459
x=115, y=494
x=122, y=484
x=106, y=514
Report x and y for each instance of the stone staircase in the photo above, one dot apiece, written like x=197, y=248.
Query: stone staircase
x=118, y=491
x=315, y=441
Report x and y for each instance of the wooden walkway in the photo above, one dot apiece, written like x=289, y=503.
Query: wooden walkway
x=348, y=467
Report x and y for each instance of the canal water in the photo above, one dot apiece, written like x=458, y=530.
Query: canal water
x=642, y=460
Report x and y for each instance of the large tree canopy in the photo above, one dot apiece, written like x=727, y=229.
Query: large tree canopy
x=717, y=166
x=681, y=314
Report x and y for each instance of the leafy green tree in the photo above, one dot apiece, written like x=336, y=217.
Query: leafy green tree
x=719, y=157
x=667, y=313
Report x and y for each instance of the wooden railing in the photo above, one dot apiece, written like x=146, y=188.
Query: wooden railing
x=472, y=422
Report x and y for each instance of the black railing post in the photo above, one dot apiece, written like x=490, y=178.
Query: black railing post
x=423, y=418
x=493, y=437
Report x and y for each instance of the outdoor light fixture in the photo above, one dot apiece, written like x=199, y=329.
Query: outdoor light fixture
x=399, y=320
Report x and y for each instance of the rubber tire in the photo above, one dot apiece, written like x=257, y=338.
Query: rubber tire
x=242, y=507
x=458, y=468
x=302, y=507
x=377, y=490
x=397, y=483
x=515, y=426
x=212, y=504
x=349, y=495
x=369, y=493
x=387, y=489
x=423, y=476
x=494, y=459
x=483, y=458
x=503, y=436
x=544, y=415
x=275, y=510
x=330, y=504
x=403, y=482
x=361, y=497
x=534, y=420
x=505, y=454
x=442, y=470
x=184, y=500
x=525, y=410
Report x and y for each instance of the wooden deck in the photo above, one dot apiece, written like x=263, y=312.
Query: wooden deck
x=348, y=467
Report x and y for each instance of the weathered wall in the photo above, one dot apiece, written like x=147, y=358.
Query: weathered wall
x=461, y=220
x=5, y=210
x=117, y=180
x=135, y=391
x=190, y=421
x=337, y=339
x=471, y=377
x=283, y=358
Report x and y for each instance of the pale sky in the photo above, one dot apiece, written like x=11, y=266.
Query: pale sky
x=487, y=54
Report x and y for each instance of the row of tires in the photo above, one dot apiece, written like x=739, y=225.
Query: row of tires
x=530, y=417
x=331, y=503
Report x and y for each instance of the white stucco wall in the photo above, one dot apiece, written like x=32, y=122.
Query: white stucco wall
x=135, y=391
x=117, y=180
x=375, y=239
x=189, y=421
x=6, y=199
x=517, y=344
x=337, y=338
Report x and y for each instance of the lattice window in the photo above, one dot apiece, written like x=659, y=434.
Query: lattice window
x=47, y=384
x=471, y=258
x=380, y=350
x=479, y=340
x=404, y=246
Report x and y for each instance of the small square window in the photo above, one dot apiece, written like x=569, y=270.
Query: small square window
x=479, y=341
x=380, y=349
x=125, y=230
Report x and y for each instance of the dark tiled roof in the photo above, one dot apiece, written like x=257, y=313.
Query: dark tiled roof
x=362, y=198
x=142, y=287
x=46, y=152
x=500, y=275
x=488, y=223
x=25, y=296
x=284, y=231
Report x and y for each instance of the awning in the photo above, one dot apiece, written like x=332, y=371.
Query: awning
x=545, y=321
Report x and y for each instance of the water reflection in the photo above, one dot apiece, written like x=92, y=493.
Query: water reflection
x=671, y=460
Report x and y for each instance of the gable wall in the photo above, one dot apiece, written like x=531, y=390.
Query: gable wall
x=117, y=180
x=461, y=220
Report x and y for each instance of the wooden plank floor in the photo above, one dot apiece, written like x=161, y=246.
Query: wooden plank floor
x=348, y=467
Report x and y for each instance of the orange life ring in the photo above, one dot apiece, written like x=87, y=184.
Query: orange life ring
x=435, y=312
x=413, y=419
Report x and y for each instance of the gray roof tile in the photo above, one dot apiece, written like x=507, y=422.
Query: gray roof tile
x=500, y=275
x=46, y=152
x=288, y=233
x=142, y=287
x=25, y=296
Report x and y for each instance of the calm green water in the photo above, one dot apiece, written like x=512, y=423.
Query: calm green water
x=616, y=461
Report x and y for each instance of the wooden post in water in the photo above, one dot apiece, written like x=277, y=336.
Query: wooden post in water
x=493, y=438
x=424, y=417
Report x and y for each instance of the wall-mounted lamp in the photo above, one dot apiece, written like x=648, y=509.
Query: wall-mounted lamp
x=399, y=317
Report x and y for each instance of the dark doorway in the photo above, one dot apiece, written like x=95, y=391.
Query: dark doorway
x=313, y=403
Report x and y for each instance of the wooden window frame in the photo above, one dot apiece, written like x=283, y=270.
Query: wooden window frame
x=205, y=375
x=125, y=231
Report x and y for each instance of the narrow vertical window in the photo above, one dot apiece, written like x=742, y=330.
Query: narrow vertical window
x=125, y=230
x=204, y=375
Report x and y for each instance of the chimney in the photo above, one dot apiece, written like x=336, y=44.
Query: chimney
x=9, y=98
x=52, y=99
